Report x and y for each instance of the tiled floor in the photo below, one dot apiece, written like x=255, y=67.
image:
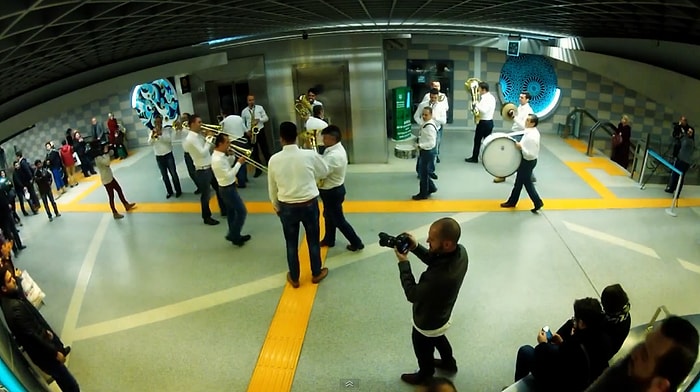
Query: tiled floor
x=160, y=302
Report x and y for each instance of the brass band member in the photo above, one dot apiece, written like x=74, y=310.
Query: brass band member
x=291, y=180
x=226, y=178
x=233, y=125
x=191, y=171
x=162, y=141
x=332, y=191
x=427, y=139
x=254, y=116
x=439, y=117
x=316, y=123
x=530, y=146
x=311, y=97
x=444, y=104
x=519, y=119
x=199, y=149
x=486, y=106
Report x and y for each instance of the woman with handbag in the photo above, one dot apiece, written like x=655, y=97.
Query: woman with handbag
x=621, y=142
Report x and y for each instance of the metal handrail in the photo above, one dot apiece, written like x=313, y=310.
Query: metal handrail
x=607, y=125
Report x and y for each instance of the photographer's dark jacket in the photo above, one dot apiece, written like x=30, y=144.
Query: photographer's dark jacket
x=435, y=294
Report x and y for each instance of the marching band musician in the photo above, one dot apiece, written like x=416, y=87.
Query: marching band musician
x=162, y=141
x=486, y=107
x=519, y=115
x=191, y=171
x=226, y=177
x=234, y=126
x=316, y=123
x=530, y=147
x=442, y=100
x=332, y=191
x=257, y=112
x=427, y=139
x=291, y=180
x=439, y=117
x=198, y=147
x=311, y=97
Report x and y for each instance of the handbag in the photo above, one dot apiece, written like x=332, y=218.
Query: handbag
x=31, y=290
x=616, y=139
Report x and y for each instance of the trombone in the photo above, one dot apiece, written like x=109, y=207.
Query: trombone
x=211, y=131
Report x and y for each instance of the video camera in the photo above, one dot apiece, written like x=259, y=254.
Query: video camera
x=401, y=242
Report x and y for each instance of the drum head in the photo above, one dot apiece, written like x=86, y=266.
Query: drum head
x=499, y=155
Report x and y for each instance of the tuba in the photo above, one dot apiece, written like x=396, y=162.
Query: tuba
x=303, y=107
x=472, y=86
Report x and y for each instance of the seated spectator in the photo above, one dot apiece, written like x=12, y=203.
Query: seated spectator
x=659, y=364
x=573, y=359
x=618, y=321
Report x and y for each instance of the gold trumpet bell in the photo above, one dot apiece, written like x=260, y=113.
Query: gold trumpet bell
x=508, y=111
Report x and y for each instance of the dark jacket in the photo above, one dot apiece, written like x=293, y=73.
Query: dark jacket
x=26, y=172
x=573, y=365
x=29, y=328
x=617, y=329
x=44, y=178
x=687, y=149
x=435, y=294
x=53, y=157
x=17, y=182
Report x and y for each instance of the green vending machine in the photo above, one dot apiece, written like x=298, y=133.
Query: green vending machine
x=401, y=107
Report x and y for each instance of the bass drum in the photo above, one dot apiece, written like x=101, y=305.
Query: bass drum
x=499, y=155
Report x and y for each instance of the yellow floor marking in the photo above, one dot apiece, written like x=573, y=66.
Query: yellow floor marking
x=280, y=352
x=577, y=145
x=581, y=169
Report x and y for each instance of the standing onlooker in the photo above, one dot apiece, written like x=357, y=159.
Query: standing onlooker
x=86, y=162
x=110, y=183
x=679, y=129
x=199, y=149
x=291, y=180
x=162, y=141
x=55, y=164
x=226, y=178
x=7, y=188
x=486, y=106
x=43, y=182
x=434, y=296
x=332, y=190
x=19, y=190
x=66, y=152
x=530, y=147
x=33, y=333
x=116, y=136
x=98, y=130
x=621, y=142
x=8, y=223
x=26, y=174
x=683, y=162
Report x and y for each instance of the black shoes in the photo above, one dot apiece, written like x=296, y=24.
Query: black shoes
x=178, y=194
x=197, y=192
x=294, y=283
x=355, y=248
x=211, y=222
x=433, y=176
x=448, y=366
x=415, y=378
x=537, y=208
x=419, y=197
x=328, y=244
x=437, y=159
x=258, y=173
x=169, y=195
x=669, y=190
x=242, y=240
x=507, y=205
x=472, y=160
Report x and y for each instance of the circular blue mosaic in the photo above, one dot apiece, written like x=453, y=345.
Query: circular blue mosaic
x=531, y=73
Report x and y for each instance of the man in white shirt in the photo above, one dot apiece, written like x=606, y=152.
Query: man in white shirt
x=199, y=149
x=226, y=178
x=486, y=107
x=442, y=100
x=427, y=140
x=235, y=127
x=519, y=119
x=162, y=141
x=439, y=117
x=291, y=179
x=530, y=147
x=311, y=97
x=254, y=116
x=316, y=124
x=332, y=190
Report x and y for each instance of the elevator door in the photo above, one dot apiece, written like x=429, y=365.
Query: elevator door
x=331, y=81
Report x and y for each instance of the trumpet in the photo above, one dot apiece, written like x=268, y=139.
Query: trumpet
x=211, y=131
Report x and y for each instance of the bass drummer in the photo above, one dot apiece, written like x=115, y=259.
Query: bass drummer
x=530, y=147
x=519, y=116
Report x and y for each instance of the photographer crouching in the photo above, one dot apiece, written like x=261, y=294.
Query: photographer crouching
x=435, y=294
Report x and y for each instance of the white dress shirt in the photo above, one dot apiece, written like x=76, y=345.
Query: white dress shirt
x=315, y=123
x=292, y=175
x=260, y=115
x=439, y=113
x=234, y=126
x=102, y=164
x=221, y=166
x=199, y=149
x=530, y=144
x=163, y=144
x=426, y=98
x=486, y=106
x=521, y=113
x=336, y=158
x=427, y=138
x=316, y=103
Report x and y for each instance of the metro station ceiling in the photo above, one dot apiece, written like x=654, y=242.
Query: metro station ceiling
x=42, y=41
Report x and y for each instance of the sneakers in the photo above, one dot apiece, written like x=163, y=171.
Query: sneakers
x=316, y=279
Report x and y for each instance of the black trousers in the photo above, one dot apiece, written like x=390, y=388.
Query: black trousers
x=424, y=347
x=205, y=182
x=334, y=217
x=259, y=147
x=483, y=129
x=524, y=179
x=191, y=170
x=166, y=163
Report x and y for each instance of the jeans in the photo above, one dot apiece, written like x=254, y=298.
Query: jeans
x=166, y=163
x=46, y=197
x=425, y=160
x=58, y=178
x=483, y=129
x=291, y=215
x=190, y=169
x=64, y=379
x=424, y=347
x=111, y=187
x=236, y=211
x=524, y=362
x=524, y=178
x=333, y=215
x=205, y=178
x=439, y=140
